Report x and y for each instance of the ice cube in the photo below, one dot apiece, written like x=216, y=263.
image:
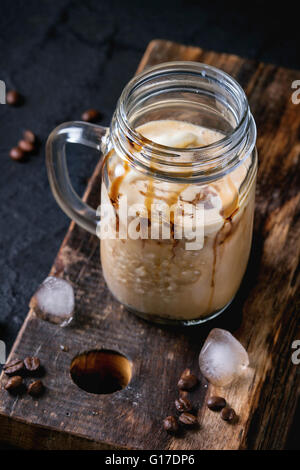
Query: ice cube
x=181, y=139
x=222, y=358
x=54, y=301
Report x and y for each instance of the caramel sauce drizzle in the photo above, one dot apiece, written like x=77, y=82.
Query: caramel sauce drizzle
x=215, y=250
x=116, y=183
x=149, y=196
x=106, y=157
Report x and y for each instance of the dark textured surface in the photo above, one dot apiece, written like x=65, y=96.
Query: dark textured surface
x=66, y=56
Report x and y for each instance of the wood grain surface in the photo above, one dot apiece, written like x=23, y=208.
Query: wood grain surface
x=264, y=315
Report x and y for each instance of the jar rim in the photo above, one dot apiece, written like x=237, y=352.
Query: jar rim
x=222, y=153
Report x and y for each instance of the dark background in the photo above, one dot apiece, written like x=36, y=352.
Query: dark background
x=66, y=56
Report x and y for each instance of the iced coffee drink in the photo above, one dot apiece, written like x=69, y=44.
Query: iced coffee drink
x=179, y=166
x=160, y=278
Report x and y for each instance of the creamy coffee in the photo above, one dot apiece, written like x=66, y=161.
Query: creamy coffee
x=160, y=278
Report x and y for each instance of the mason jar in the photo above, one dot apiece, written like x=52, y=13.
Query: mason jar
x=179, y=167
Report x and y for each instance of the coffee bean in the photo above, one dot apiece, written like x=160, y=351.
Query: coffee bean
x=14, y=367
x=187, y=380
x=29, y=136
x=16, y=154
x=188, y=419
x=36, y=388
x=216, y=403
x=14, y=384
x=26, y=146
x=32, y=364
x=90, y=115
x=185, y=373
x=11, y=363
x=228, y=414
x=13, y=97
x=170, y=424
x=183, y=404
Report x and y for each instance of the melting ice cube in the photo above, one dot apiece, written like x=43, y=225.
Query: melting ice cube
x=181, y=139
x=222, y=357
x=54, y=301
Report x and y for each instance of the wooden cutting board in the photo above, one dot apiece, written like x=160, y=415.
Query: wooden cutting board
x=264, y=316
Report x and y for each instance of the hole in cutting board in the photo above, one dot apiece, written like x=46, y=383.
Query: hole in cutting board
x=101, y=371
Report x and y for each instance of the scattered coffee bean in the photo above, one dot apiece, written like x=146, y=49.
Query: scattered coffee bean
x=185, y=373
x=29, y=136
x=14, y=367
x=26, y=146
x=188, y=419
x=36, y=388
x=14, y=384
x=64, y=348
x=170, y=424
x=16, y=154
x=13, y=97
x=187, y=380
x=216, y=403
x=11, y=363
x=32, y=364
x=183, y=404
x=90, y=115
x=228, y=414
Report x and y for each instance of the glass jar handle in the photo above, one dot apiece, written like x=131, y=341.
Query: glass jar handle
x=77, y=133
